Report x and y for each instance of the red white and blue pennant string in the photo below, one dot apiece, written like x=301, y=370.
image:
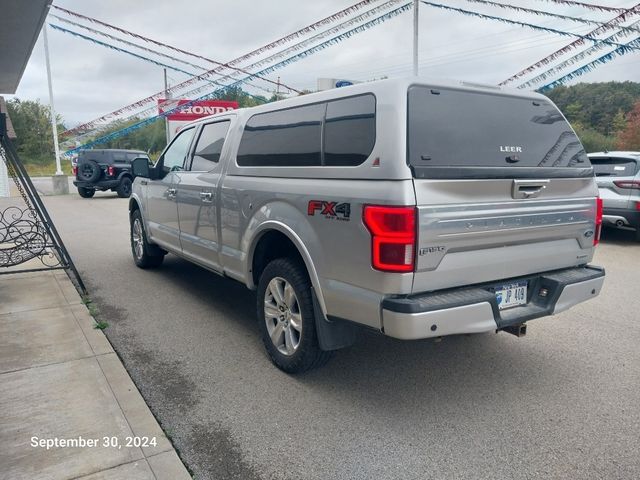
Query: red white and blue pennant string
x=217, y=71
x=610, y=25
x=525, y=24
x=333, y=41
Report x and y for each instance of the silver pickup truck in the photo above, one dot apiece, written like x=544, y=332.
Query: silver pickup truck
x=412, y=207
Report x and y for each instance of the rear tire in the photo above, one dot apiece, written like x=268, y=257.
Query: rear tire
x=286, y=317
x=638, y=233
x=124, y=189
x=89, y=171
x=145, y=255
x=86, y=192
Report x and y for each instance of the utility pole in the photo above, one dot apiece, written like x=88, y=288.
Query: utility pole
x=416, y=4
x=278, y=89
x=166, y=97
x=54, y=126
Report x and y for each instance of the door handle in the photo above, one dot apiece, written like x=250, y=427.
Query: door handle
x=143, y=182
x=171, y=193
x=528, y=188
x=207, y=197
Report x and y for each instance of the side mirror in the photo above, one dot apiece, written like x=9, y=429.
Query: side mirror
x=140, y=168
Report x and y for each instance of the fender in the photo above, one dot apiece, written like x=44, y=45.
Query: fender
x=125, y=173
x=302, y=249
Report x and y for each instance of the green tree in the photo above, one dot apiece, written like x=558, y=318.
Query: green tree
x=32, y=123
x=243, y=98
x=619, y=122
x=593, y=140
x=600, y=103
x=629, y=138
x=575, y=113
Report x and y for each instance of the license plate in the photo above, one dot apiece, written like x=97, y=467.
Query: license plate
x=511, y=295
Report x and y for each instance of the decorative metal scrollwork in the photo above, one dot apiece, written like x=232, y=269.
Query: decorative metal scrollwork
x=23, y=237
x=24, y=233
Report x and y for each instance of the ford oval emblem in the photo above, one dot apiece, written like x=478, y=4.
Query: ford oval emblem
x=589, y=233
x=343, y=83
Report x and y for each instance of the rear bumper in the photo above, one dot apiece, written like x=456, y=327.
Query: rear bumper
x=475, y=309
x=100, y=185
x=621, y=217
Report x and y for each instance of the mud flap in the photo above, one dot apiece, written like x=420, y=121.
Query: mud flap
x=334, y=334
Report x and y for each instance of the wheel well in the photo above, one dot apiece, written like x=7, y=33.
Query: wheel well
x=133, y=206
x=272, y=245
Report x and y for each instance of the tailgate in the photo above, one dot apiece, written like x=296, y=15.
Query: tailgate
x=473, y=231
x=503, y=187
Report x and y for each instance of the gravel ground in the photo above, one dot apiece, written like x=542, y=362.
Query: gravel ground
x=560, y=403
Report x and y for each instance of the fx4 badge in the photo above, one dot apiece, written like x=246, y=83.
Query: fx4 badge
x=330, y=210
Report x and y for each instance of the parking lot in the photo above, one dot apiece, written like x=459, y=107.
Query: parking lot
x=561, y=402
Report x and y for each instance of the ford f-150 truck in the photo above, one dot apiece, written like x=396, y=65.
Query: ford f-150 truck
x=417, y=208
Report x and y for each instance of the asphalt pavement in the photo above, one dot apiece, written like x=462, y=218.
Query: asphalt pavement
x=561, y=402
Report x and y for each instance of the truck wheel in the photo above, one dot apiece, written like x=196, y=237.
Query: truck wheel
x=286, y=317
x=86, y=192
x=145, y=255
x=124, y=189
x=638, y=233
x=89, y=171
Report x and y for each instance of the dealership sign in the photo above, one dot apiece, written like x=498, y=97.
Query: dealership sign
x=192, y=110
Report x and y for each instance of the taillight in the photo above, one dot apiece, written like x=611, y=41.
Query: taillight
x=111, y=171
x=633, y=184
x=74, y=170
x=596, y=237
x=393, y=237
x=638, y=206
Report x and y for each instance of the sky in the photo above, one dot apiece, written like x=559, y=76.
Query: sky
x=90, y=80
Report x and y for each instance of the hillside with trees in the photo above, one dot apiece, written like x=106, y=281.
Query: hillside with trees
x=602, y=113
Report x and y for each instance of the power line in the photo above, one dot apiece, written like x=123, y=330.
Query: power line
x=523, y=24
x=611, y=24
x=215, y=71
x=618, y=52
x=589, y=6
x=140, y=57
x=516, y=8
x=141, y=47
x=561, y=66
x=332, y=41
x=146, y=39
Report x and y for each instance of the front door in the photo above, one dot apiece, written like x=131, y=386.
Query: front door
x=196, y=194
x=162, y=217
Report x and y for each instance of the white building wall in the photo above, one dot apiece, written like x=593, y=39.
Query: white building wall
x=4, y=179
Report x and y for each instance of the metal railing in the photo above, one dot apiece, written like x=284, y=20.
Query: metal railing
x=28, y=236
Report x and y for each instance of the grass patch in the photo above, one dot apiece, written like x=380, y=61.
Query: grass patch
x=46, y=169
x=94, y=312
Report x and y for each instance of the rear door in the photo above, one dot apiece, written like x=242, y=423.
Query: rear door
x=197, y=196
x=503, y=186
x=611, y=172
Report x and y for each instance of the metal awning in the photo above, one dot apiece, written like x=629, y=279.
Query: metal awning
x=20, y=25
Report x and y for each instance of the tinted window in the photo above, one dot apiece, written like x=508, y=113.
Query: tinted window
x=614, y=167
x=462, y=133
x=133, y=156
x=286, y=138
x=350, y=130
x=209, y=146
x=175, y=155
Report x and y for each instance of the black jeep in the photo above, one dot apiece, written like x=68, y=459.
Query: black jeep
x=106, y=169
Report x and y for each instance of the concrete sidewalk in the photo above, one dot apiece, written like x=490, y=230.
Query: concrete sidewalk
x=61, y=380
